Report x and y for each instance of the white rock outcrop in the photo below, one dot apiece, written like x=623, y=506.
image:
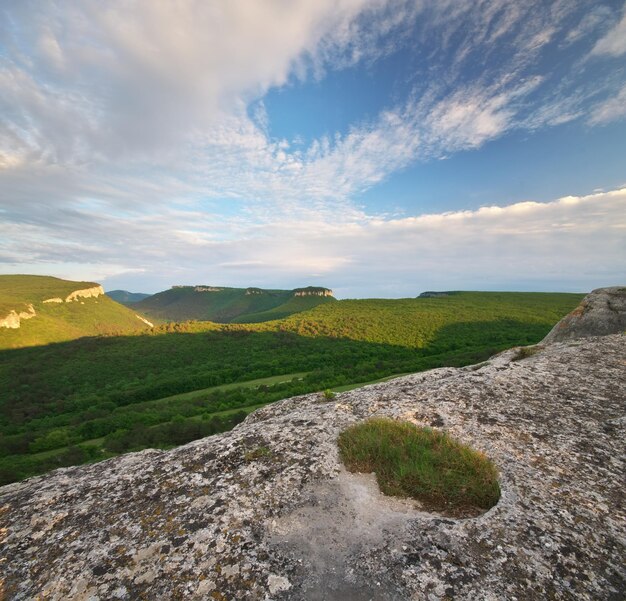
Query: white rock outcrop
x=149, y=323
x=13, y=319
x=85, y=293
x=600, y=313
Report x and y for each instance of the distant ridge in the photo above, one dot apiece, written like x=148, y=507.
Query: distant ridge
x=125, y=297
x=436, y=294
x=231, y=305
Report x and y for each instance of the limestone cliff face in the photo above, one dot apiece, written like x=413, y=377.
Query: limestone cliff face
x=12, y=321
x=14, y=318
x=85, y=293
x=312, y=291
x=215, y=520
x=601, y=312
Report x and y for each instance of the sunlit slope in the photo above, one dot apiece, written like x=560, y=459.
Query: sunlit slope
x=226, y=305
x=295, y=304
x=417, y=322
x=38, y=310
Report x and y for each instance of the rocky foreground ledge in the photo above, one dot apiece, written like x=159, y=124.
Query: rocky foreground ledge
x=267, y=512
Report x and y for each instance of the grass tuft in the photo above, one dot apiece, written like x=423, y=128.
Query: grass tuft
x=329, y=395
x=424, y=464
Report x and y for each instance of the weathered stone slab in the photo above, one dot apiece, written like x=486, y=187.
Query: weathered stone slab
x=215, y=520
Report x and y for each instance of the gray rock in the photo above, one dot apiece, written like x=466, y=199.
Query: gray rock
x=215, y=520
x=600, y=313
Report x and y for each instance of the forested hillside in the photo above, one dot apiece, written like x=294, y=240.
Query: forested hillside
x=225, y=305
x=87, y=399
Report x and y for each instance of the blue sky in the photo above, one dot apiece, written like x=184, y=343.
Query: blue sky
x=379, y=147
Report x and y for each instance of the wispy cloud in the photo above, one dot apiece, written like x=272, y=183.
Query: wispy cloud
x=614, y=42
x=123, y=125
x=610, y=109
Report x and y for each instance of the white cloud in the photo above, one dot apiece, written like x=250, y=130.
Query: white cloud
x=588, y=24
x=135, y=77
x=610, y=110
x=570, y=243
x=614, y=42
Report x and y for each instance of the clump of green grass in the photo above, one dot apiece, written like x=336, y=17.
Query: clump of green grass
x=424, y=464
x=329, y=395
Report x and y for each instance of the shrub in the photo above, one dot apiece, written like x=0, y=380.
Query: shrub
x=421, y=463
x=329, y=395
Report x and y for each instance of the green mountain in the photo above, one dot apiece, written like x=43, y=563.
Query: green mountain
x=125, y=297
x=41, y=309
x=88, y=399
x=226, y=305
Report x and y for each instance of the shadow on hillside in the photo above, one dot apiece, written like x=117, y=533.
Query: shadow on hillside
x=58, y=401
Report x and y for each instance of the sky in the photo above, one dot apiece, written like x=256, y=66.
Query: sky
x=377, y=147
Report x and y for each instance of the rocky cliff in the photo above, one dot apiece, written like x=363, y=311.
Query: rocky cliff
x=267, y=511
x=312, y=291
x=93, y=292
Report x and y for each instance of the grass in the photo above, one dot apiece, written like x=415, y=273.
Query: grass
x=257, y=453
x=420, y=463
x=233, y=385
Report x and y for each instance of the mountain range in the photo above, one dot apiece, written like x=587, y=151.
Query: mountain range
x=227, y=305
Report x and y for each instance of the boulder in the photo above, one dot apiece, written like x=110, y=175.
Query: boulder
x=601, y=312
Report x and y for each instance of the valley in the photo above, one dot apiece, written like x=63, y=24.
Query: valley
x=93, y=397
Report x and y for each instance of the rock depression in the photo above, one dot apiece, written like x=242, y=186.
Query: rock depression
x=268, y=512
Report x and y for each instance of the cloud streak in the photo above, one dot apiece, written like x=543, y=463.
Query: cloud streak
x=545, y=246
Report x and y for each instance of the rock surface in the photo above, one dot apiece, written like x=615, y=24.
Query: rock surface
x=14, y=318
x=600, y=313
x=93, y=292
x=266, y=511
